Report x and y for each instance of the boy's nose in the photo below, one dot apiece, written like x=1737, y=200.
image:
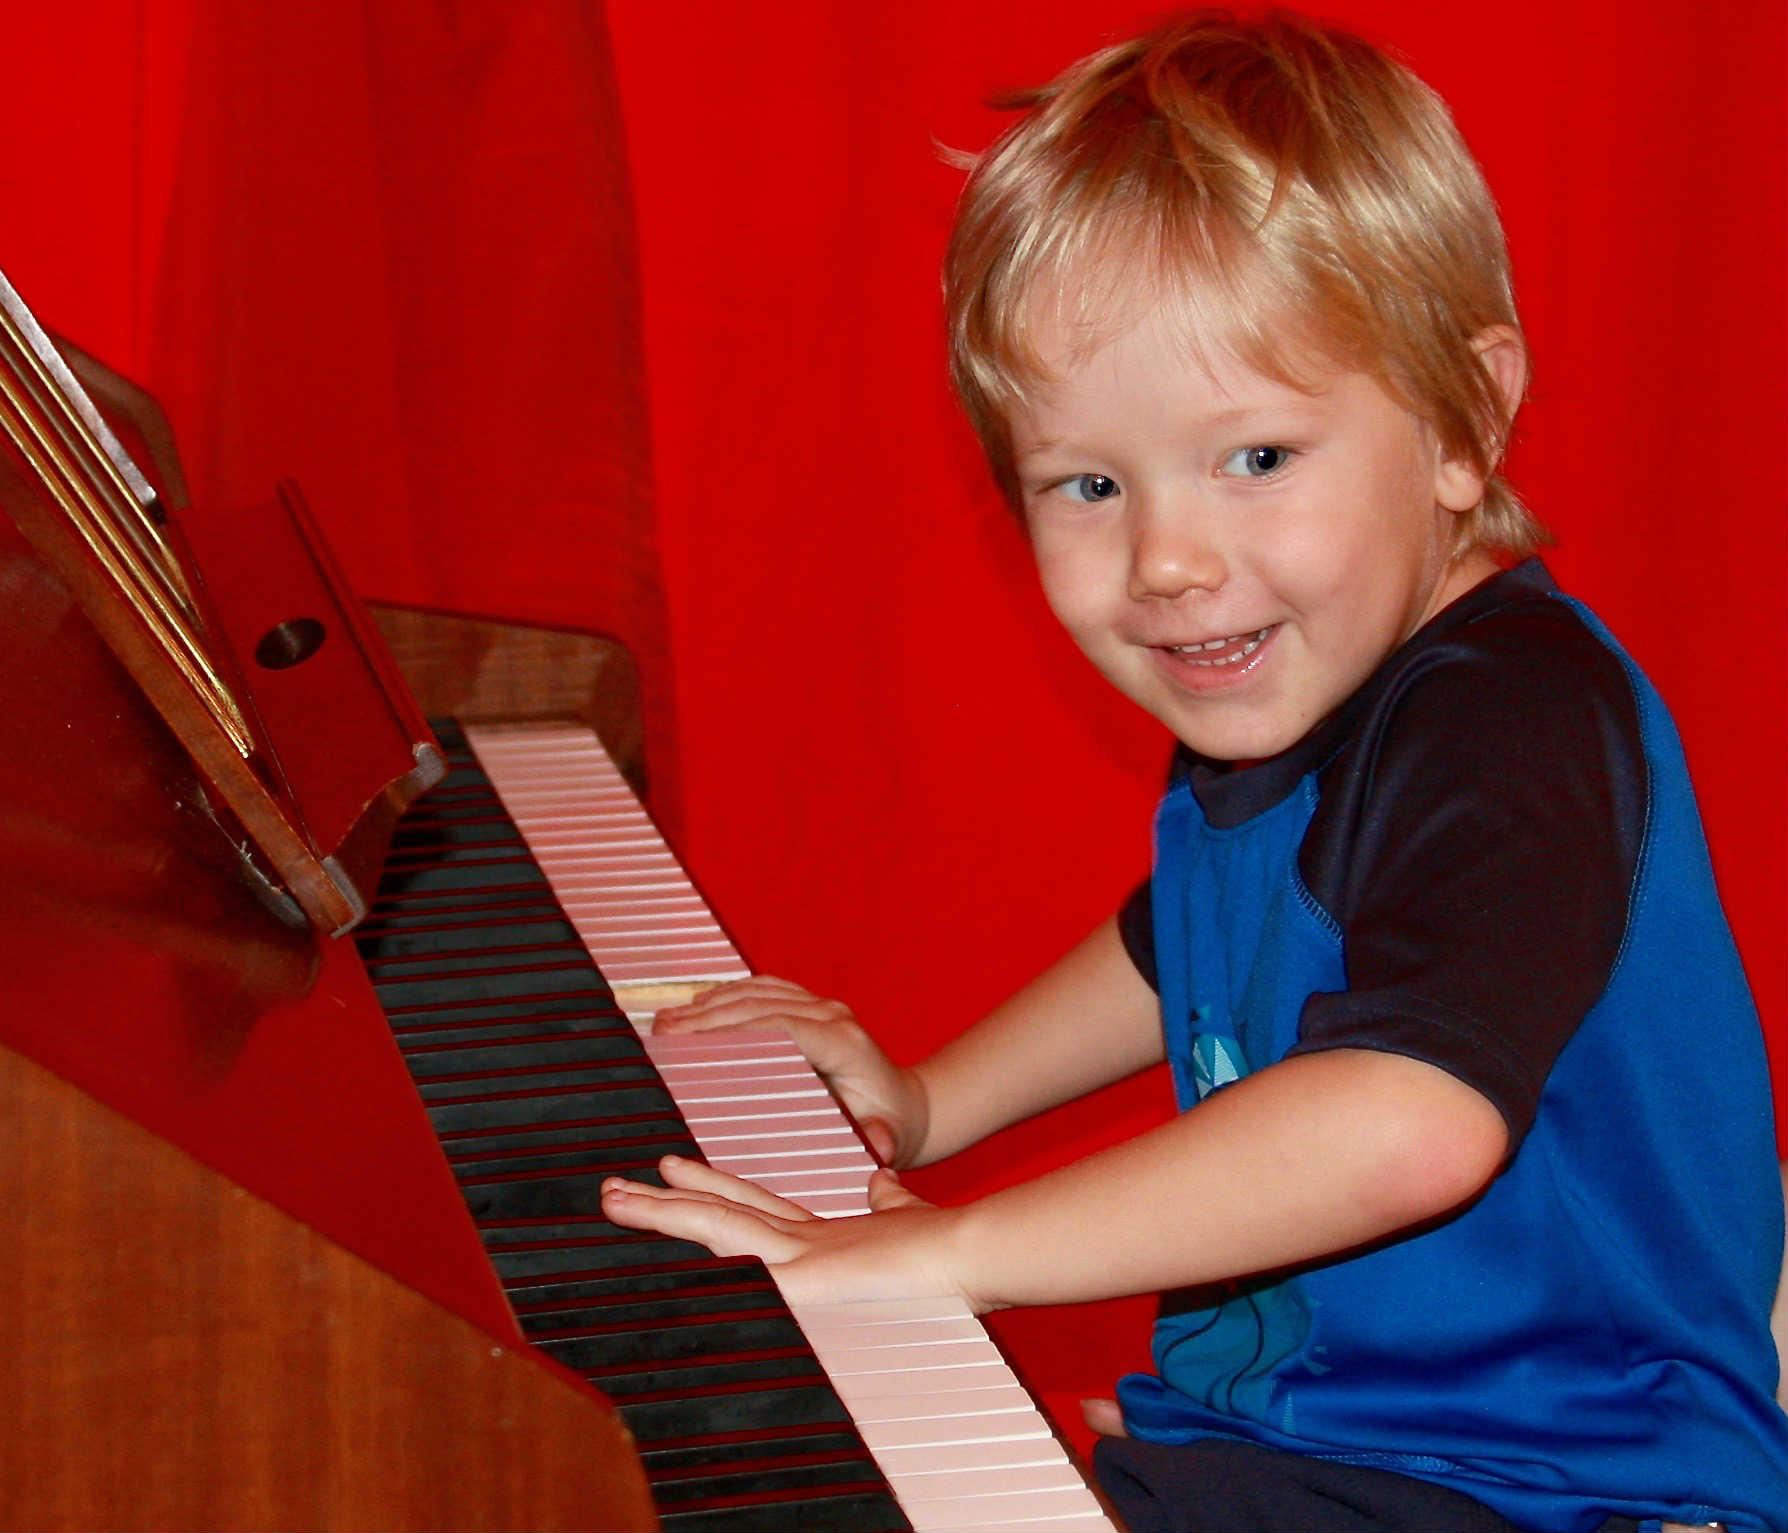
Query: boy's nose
x=1171, y=555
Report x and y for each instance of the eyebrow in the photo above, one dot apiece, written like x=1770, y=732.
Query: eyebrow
x=1221, y=420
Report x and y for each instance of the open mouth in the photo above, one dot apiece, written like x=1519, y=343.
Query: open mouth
x=1219, y=652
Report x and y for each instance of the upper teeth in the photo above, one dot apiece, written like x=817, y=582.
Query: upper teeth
x=1249, y=642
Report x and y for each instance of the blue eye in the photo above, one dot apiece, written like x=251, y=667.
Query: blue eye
x=1089, y=487
x=1256, y=462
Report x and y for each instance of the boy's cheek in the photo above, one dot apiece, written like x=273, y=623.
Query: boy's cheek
x=1076, y=583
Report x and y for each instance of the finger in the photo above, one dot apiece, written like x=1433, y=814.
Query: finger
x=734, y=989
x=695, y=1176
x=652, y=1191
x=1104, y=1417
x=724, y=1228
x=790, y=1008
x=887, y=1191
x=881, y=1138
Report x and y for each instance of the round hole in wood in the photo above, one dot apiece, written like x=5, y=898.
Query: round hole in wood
x=290, y=643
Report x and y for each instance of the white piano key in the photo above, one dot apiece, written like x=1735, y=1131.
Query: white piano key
x=887, y=1437
x=851, y=1361
x=1094, y=1521
x=800, y=1184
x=877, y=1384
x=854, y=1312
x=959, y=1458
x=723, y=1043
x=665, y=1053
x=963, y=1445
x=746, y=1136
x=694, y=1078
x=818, y=1143
x=833, y=1205
x=793, y=1095
x=980, y=1480
x=729, y=1116
x=1030, y=1510
x=900, y=1333
x=830, y=1174
x=951, y=1400
x=935, y=1515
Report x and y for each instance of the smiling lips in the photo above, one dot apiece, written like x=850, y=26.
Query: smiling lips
x=1219, y=652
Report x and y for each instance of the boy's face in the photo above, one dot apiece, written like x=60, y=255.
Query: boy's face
x=1233, y=553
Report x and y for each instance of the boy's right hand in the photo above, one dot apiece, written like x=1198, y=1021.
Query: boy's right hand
x=887, y=1100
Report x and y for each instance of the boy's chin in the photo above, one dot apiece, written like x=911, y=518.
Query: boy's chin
x=1241, y=743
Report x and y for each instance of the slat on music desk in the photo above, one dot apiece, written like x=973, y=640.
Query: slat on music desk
x=959, y=1439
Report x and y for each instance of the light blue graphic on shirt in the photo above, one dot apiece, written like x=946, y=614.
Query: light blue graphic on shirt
x=1215, y=1062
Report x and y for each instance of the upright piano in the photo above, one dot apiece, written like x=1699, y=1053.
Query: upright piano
x=310, y=1080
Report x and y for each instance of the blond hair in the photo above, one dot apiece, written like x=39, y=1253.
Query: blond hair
x=1276, y=183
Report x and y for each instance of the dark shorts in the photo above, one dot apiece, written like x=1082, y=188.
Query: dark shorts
x=1218, y=1486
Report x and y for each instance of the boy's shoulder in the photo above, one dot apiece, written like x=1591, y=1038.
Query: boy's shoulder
x=1511, y=686
x=1507, y=667
x=1499, y=750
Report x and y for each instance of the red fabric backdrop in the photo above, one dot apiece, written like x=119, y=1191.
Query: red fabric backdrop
x=391, y=249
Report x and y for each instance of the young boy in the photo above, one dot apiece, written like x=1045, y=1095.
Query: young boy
x=1471, y=1216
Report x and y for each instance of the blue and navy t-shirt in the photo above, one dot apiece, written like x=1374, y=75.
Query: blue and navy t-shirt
x=1490, y=860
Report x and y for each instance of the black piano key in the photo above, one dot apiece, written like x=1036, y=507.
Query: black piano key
x=762, y=1476
x=873, y=1511
x=590, y=1002
x=478, y=1057
x=470, y=960
x=630, y=1151
x=831, y=1497
x=598, y=1348
x=548, y=1134
x=680, y=1414
x=498, y=986
x=546, y=1106
x=458, y=878
x=729, y=1396
x=465, y=829
x=521, y=1263
x=767, y=1445
x=713, y=1376
x=458, y=1087
x=417, y=1035
x=533, y=1195
x=448, y=855
x=652, y=1307
x=536, y=1136
x=451, y=909
x=651, y=1310
x=491, y=935
x=736, y=1274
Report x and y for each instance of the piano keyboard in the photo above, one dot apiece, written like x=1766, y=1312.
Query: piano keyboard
x=748, y=1432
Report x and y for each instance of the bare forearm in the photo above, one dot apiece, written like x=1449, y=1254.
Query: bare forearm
x=1086, y=1021
x=1315, y=1156
x=1306, y=1159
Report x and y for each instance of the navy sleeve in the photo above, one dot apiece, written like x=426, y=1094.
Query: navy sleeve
x=1136, y=925
x=1476, y=842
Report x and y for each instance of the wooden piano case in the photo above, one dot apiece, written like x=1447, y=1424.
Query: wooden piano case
x=240, y=1286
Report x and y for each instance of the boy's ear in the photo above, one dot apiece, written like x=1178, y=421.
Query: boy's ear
x=1503, y=355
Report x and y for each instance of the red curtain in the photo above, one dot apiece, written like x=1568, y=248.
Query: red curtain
x=391, y=249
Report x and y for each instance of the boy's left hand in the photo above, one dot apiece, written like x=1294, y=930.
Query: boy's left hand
x=899, y=1250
